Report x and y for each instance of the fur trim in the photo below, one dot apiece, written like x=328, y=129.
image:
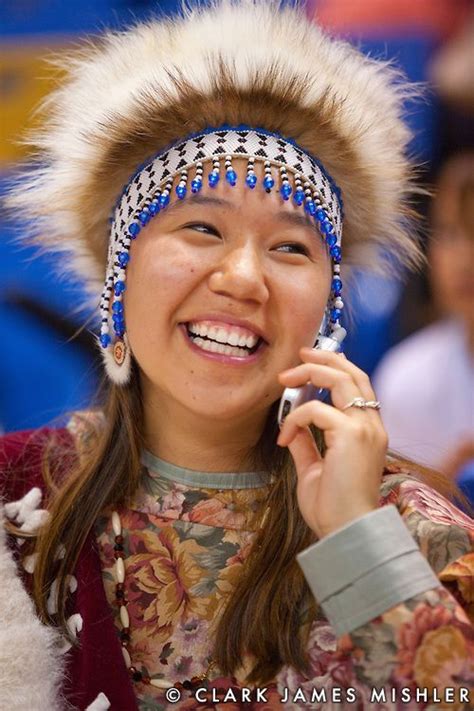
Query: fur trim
x=128, y=94
x=31, y=664
x=119, y=374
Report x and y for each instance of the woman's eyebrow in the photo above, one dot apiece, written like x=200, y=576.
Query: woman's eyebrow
x=293, y=219
x=200, y=200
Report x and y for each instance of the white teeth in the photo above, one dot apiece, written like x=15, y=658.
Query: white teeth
x=214, y=347
x=227, y=336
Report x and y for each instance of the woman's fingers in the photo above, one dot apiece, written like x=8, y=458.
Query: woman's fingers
x=335, y=360
x=314, y=412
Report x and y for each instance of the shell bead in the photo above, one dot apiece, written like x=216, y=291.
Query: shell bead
x=116, y=523
x=126, y=657
x=119, y=570
x=124, y=616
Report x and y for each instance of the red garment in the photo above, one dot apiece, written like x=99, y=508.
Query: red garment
x=97, y=665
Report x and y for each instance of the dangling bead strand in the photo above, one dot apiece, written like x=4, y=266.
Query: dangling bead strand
x=309, y=205
x=230, y=174
x=268, y=181
x=251, y=179
x=196, y=184
x=285, y=189
x=181, y=188
x=298, y=195
x=214, y=175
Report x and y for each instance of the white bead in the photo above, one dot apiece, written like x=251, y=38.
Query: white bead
x=160, y=683
x=124, y=616
x=116, y=524
x=105, y=328
x=126, y=656
x=338, y=303
x=119, y=570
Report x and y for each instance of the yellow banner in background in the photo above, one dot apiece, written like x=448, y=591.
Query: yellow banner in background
x=26, y=77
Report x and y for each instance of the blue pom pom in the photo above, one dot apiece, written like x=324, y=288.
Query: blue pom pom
x=196, y=185
x=321, y=215
x=181, y=191
x=134, y=229
x=335, y=314
x=164, y=200
x=268, y=183
x=213, y=179
x=104, y=340
x=331, y=239
x=336, y=286
x=285, y=191
x=231, y=176
x=124, y=259
x=251, y=180
x=335, y=253
x=298, y=196
x=117, y=307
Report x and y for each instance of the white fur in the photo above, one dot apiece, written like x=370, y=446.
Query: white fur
x=31, y=666
x=119, y=374
x=128, y=73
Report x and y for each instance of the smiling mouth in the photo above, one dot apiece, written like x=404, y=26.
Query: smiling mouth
x=212, y=346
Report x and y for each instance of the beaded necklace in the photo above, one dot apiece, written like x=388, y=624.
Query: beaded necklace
x=135, y=674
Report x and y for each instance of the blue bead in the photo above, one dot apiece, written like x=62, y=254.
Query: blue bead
x=331, y=239
x=164, y=200
x=335, y=314
x=123, y=258
x=336, y=286
x=298, y=197
x=119, y=288
x=327, y=227
x=144, y=217
x=117, y=307
x=134, y=229
x=119, y=332
x=285, y=191
x=310, y=207
x=181, y=191
x=104, y=340
x=251, y=180
x=213, y=179
x=231, y=176
x=268, y=183
x=154, y=207
x=118, y=318
x=335, y=253
x=196, y=186
x=321, y=215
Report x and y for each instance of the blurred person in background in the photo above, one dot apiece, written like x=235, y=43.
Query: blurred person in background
x=437, y=427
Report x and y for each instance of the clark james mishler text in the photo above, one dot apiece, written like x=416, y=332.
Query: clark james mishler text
x=337, y=694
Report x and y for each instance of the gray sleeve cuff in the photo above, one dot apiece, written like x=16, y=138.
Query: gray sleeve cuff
x=365, y=568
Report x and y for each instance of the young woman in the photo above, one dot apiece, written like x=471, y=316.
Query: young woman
x=182, y=550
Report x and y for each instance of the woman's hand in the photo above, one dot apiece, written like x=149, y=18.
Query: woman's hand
x=345, y=484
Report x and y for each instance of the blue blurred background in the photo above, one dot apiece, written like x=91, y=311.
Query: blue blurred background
x=45, y=370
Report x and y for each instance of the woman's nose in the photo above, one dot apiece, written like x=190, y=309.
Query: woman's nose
x=240, y=274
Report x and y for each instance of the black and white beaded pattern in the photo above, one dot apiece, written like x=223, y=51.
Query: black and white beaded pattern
x=156, y=177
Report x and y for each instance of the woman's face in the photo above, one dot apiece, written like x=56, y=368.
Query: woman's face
x=224, y=257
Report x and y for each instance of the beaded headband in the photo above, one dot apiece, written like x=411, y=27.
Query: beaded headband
x=287, y=168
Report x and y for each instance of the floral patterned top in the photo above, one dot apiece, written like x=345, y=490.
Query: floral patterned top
x=186, y=536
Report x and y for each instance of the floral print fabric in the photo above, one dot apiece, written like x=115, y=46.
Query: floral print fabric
x=184, y=549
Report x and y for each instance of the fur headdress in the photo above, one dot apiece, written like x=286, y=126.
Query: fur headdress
x=129, y=94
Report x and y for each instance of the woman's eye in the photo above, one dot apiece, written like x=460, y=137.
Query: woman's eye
x=300, y=248
x=202, y=227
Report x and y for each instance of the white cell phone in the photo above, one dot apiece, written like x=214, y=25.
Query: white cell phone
x=293, y=397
